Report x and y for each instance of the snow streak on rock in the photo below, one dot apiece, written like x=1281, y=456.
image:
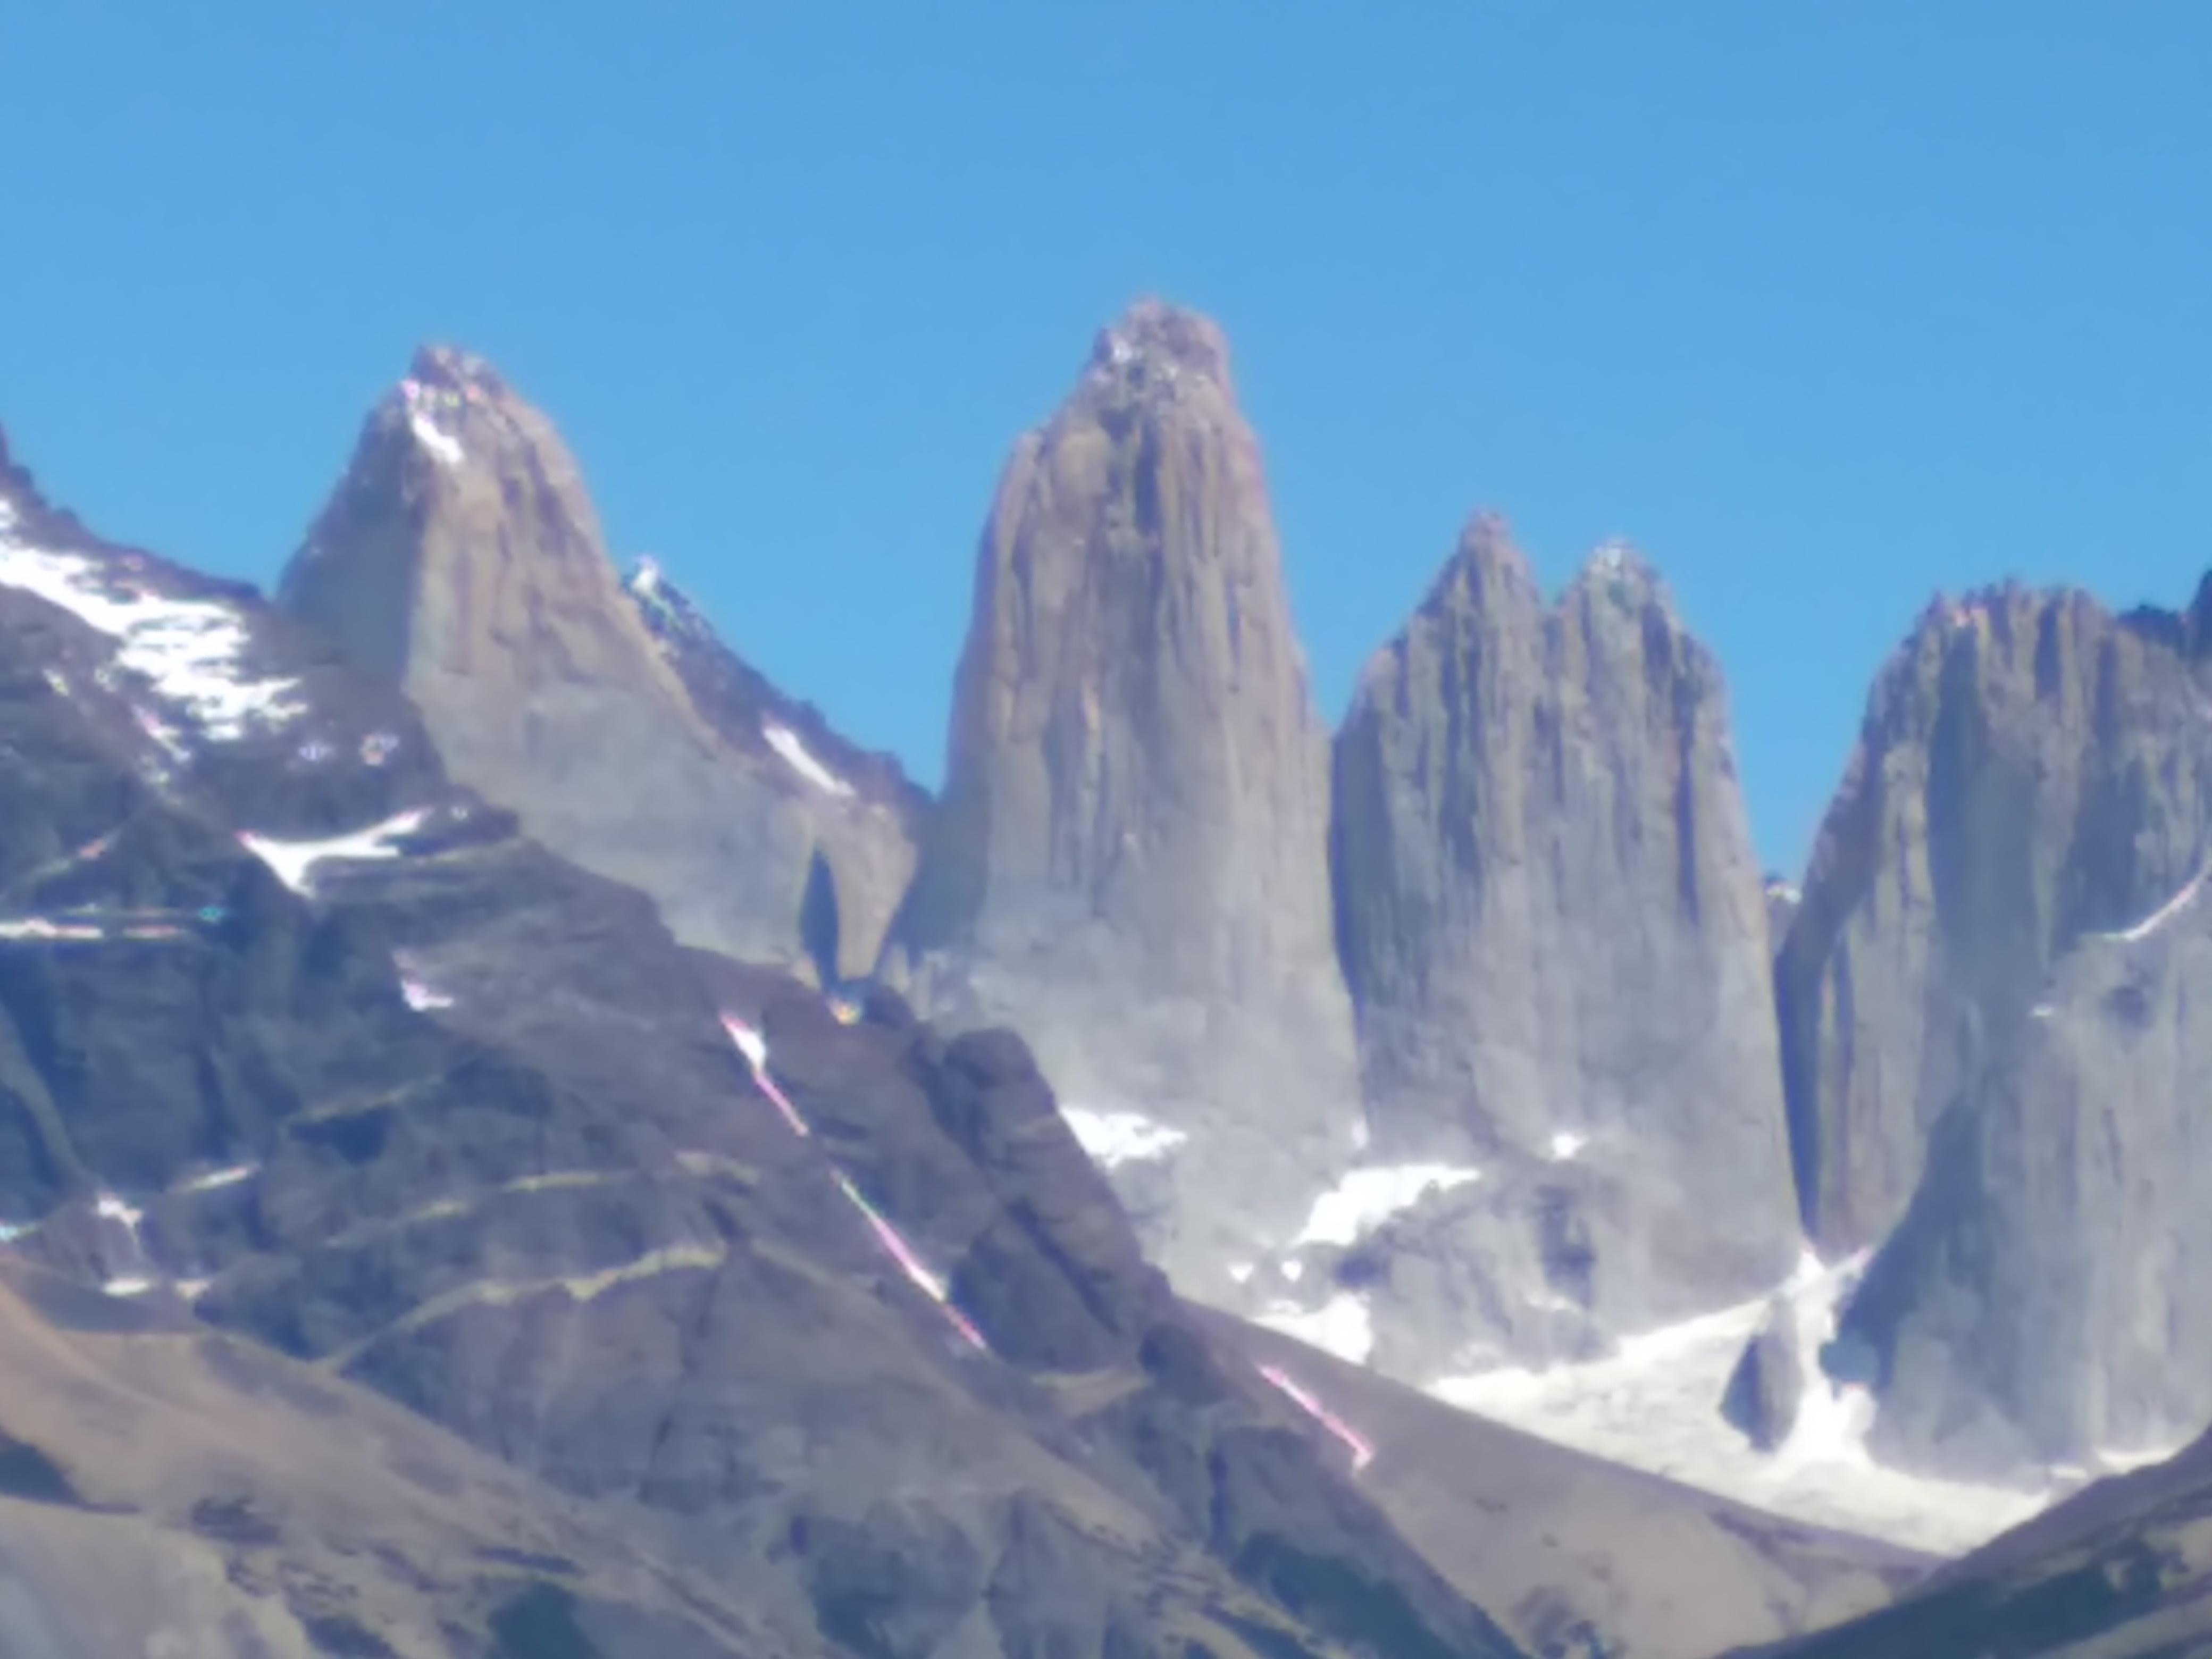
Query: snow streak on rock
x=1113, y=1139
x=1365, y=1199
x=187, y=649
x=786, y=743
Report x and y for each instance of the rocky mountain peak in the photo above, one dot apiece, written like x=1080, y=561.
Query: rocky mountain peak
x=1129, y=861
x=1155, y=347
x=460, y=556
x=1556, y=942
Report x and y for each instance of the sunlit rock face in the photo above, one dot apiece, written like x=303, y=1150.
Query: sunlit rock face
x=461, y=557
x=1130, y=859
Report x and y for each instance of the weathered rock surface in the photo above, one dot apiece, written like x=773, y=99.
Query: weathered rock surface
x=461, y=559
x=1992, y=1003
x=1768, y=1384
x=2031, y=770
x=1129, y=861
x=388, y=1088
x=1554, y=933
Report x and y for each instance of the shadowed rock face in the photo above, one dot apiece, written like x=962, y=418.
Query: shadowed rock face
x=1991, y=1005
x=1129, y=861
x=1556, y=939
x=461, y=559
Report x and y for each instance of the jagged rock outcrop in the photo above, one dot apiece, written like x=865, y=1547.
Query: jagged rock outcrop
x=1128, y=863
x=1555, y=936
x=1992, y=1005
x=461, y=559
x=2031, y=770
x=1768, y=1384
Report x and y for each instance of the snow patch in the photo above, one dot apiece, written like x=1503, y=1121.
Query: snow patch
x=1364, y=1199
x=1241, y=1272
x=422, y=998
x=1655, y=1404
x=1113, y=1139
x=786, y=743
x=215, y=1180
x=137, y=1285
x=1565, y=1143
x=2166, y=912
x=1341, y=1325
x=292, y=860
x=189, y=649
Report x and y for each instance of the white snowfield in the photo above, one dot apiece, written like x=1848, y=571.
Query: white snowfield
x=188, y=649
x=294, y=861
x=786, y=743
x=1364, y=1199
x=1341, y=1325
x=1656, y=1406
x=1113, y=1139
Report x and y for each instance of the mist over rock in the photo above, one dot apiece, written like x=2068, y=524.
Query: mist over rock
x=460, y=558
x=1129, y=861
x=1555, y=934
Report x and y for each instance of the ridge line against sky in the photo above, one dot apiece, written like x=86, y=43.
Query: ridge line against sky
x=1824, y=308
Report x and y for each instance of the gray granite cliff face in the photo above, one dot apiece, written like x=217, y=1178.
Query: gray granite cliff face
x=2031, y=770
x=1556, y=937
x=1993, y=1005
x=460, y=558
x=1129, y=862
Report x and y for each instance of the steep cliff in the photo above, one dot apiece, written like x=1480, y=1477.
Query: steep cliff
x=1129, y=863
x=2031, y=770
x=1992, y=1003
x=1556, y=939
x=460, y=558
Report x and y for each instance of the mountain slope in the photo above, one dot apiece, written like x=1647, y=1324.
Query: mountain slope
x=299, y=1033
x=1129, y=861
x=2122, y=1571
x=461, y=559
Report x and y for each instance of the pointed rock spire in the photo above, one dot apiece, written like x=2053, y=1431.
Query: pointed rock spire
x=460, y=556
x=1129, y=861
x=1555, y=935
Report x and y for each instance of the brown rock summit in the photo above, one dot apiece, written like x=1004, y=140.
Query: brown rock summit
x=461, y=557
x=1129, y=862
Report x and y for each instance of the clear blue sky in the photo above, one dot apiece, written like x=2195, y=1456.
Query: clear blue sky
x=1825, y=305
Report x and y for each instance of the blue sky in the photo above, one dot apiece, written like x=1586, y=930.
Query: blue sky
x=1826, y=305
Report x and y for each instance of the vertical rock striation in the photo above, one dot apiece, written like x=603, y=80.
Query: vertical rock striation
x=2031, y=769
x=1555, y=934
x=460, y=558
x=1992, y=1005
x=1129, y=862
